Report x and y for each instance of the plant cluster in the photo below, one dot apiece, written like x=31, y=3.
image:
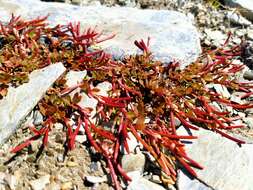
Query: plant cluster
x=146, y=98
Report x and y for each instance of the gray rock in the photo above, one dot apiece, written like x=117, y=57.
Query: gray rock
x=226, y=165
x=21, y=100
x=248, y=75
x=236, y=18
x=144, y=184
x=133, y=162
x=38, y=118
x=244, y=6
x=173, y=36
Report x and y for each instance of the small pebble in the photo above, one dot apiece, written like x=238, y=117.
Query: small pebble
x=94, y=166
x=96, y=179
x=155, y=179
x=72, y=164
x=81, y=138
x=133, y=162
x=40, y=184
x=60, y=158
x=67, y=186
x=248, y=75
x=38, y=118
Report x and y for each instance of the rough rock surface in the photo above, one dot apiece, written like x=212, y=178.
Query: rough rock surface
x=172, y=34
x=21, y=100
x=226, y=165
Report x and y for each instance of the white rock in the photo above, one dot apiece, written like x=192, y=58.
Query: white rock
x=249, y=121
x=11, y=181
x=132, y=144
x=144, y=184
x=135, y=175
x=216, y=36
x=104, y=87
x=173, y=35
x=235, y=99
x=2, y=181
x=226, y=165
x=244, y=6
x=75, y=77
x=88, y=102
x=21, y=100
x=40, y=184
x=222, y=90
x=96, y=179
x=81, y=138
x=250, y=34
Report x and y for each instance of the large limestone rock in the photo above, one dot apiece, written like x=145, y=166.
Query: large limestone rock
x=227, y=166
x=244, y=6
x=173, y=35
x=21, y=100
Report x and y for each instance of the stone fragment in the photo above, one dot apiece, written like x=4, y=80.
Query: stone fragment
x=248, y=75
x=190, y=184
x=236, y=18
x=96, y=179
x=75, y=77
x=81, y=138
x=40, y=184
x=222, y=90
x=104, y=87
x=226, y=165
x=21, y=100
x=173, y=35
x=67, y=185
x=11, y=181
x=133, y=162
x=236, y=99
x=249, y=121
x=53, y=186
x=72, y=164
x=144, y=184
x=38, y=118
x=216, y=37
x=155, y=179
x=250, y=34
x=245, y=7
x=132, y=144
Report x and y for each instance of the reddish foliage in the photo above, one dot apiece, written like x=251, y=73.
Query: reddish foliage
x=141, y=89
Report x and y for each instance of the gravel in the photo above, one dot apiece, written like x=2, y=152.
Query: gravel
x=80, y=169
